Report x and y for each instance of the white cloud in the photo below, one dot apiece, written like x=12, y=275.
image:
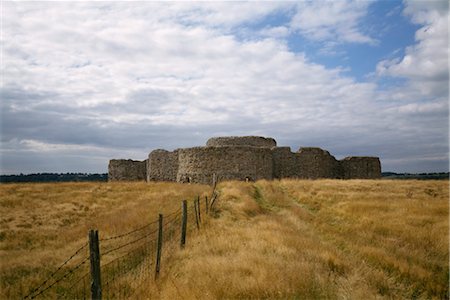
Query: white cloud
x=424, y=64
x=332, y=21
x=36, y=156
x=206, y=74
x=422, y=12
x=421, y=108
x=226, y=14
x=275, y=32
x=100, y=78
x=39, y=146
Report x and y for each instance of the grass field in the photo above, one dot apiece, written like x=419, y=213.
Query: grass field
x=297, y=239
x=42, y=224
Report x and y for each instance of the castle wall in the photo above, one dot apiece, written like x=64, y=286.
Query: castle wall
x=126, y=170
x=198, y=164
x=315, y=163
x=361, y=167
x=284, y=163
x=241, y=158
x=252, y=141
x=162, y=165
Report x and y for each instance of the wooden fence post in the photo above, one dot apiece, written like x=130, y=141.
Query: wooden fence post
x=183, y=224
x=206, y=204
x=94, y=253
x=198, y=206
x=159, y=247
x=196, y=214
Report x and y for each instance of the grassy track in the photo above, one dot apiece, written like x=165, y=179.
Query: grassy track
x=296, y=239
x=356, y=239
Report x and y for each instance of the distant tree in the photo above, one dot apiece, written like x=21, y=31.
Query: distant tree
x=53, y=177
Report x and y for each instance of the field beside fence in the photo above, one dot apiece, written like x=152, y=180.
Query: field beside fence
x=300, y=239
x=44, y=224
x=319, y=239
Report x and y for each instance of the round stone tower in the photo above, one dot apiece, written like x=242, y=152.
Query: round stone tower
x=239, y=158
x=249, y=141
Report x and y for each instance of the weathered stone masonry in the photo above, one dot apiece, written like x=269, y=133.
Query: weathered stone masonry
x=127, y=169
x=242, y=158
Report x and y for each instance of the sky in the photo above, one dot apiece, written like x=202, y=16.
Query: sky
x=86, y=82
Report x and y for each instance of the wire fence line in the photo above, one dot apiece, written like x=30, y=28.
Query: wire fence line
x=128, y=260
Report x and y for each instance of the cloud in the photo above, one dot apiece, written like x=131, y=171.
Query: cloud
x=86, y=82
x=275, y=32
x=424, y=64
x=420, y=104
x=225, y=15
x=166, y=73
x=332, y=21
x=35, y=156
x=38, y=146
x=422, y=12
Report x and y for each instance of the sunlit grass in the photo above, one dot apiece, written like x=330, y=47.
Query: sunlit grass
x=42, y=224
x=288, y=239
x=357, y=239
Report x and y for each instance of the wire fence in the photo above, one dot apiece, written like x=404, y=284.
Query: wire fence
x=128, y=260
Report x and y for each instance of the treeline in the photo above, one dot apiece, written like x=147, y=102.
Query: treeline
x=53, y=177
x=66, y=177
x=424, y=176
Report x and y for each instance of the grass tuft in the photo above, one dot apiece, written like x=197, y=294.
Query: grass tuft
x=286, y=239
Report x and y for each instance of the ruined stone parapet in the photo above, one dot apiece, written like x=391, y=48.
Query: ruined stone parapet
x=361, y=167
x=162, y=165
x=199, y=164
x=127, y=170
x=284, y=163
x=242, y=158
x=313, y=162
x=250, y=141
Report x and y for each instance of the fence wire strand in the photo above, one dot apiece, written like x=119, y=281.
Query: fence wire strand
x=129, y=243
x=171, y=220
x=128, y=233
x=77, y=281
x=136, y=262
x=61, y=278
x=59, y=268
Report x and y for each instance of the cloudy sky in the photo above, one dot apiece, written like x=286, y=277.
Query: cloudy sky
x=84, y=82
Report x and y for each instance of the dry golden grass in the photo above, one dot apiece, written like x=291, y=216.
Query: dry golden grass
x=42, y=224
x=356, y=239
x=288, y=239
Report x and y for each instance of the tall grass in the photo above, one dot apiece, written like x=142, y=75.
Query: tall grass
x=356, y=239
x=288, y=239
x=42, y=224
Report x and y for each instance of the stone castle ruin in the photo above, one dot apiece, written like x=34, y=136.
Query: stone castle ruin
x=242, y=158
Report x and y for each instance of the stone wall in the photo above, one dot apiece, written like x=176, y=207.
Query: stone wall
x=126, y=170
x=252, y=141
x=162, y=165
x=361, y=167
x=242, y=158
x=315, y=163
x=198, y=164
x=284, y=163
